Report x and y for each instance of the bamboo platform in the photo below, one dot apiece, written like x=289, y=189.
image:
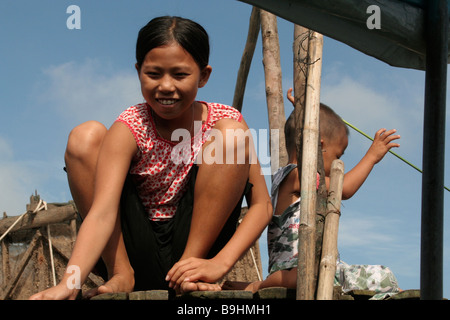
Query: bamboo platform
x=276, y=293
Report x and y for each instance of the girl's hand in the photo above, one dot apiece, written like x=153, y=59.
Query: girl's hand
x=58, y=292
x=195, y=269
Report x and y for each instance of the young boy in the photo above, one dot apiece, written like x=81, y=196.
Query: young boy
x=283, y=228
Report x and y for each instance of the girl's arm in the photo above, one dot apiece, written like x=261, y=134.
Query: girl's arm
x=218, y=187
x=113, y=164
x=255, y=221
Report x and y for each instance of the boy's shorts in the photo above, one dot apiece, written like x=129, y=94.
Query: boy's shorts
x=153, y=247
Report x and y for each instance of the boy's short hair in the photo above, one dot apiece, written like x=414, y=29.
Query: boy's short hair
x=330, y=125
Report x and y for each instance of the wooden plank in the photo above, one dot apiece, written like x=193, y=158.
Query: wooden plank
x=39, y=219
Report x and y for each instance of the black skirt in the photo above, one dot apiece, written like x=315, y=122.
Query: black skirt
x=153, y=247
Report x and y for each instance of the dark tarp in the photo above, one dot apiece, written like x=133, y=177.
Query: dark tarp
x=399, y=42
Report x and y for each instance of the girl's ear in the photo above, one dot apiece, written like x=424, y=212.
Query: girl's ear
x=204, y=76
x=137, y=68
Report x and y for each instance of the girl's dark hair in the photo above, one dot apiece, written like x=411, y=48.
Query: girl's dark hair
x=163, y=30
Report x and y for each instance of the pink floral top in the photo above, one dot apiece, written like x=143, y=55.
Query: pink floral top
x=161, y=168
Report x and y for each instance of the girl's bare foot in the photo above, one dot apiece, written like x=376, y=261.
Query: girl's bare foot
x=118, y=283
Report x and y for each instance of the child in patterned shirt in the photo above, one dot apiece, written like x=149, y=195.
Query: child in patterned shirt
x=283, y=229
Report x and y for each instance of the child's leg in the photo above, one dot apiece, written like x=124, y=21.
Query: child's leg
x=81, y=160
x=238, y=285
x=281, y=278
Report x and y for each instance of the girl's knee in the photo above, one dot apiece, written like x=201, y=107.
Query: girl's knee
x=232, y=143
x=85, y=139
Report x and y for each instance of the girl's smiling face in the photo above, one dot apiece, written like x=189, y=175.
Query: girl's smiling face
x=170, y=79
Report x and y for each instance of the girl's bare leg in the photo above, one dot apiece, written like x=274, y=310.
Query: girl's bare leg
x=81, y=161
x=218, y=188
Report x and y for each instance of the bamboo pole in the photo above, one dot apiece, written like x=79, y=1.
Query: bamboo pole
x=300, y=67
x=300, y=53
x=308, y=179
x=327, y=268
x=274, y=90
x=247, y=56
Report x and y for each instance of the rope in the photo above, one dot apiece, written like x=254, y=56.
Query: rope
x=51, y=254
x=41, y=205
x=404, y=160
x=256, y=266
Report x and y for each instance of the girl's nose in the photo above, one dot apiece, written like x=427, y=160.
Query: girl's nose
x=166, y=84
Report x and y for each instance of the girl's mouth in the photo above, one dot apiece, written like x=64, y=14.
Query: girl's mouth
x=166, y=102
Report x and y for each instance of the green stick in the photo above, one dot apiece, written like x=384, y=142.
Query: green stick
x=404, y=160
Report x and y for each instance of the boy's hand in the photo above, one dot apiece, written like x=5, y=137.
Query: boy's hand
x=290, y=96
x=382, y=143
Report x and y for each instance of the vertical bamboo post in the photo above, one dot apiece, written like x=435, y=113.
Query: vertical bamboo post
x=327, y=267
x=246, y=60
x=308, y=179
x=274, y=90
x=300, y=52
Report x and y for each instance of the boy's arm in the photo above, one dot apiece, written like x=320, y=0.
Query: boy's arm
x=382, y=143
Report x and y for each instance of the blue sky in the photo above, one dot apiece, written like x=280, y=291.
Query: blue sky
x=53, y=78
